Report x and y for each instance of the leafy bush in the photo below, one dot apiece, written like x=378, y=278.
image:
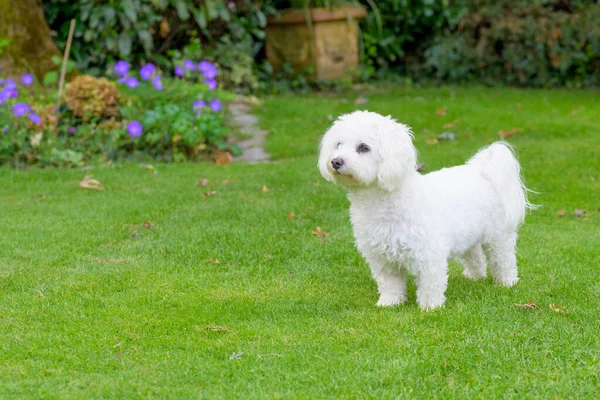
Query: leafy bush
x=163, y=32
x=141, y=121
x=534, y=43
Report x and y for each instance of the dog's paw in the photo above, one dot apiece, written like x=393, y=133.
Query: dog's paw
x=429, y=301
x=507, y=282
x=389, y=300
x=474, y=274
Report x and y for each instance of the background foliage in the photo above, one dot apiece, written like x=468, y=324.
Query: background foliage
x=516, y=42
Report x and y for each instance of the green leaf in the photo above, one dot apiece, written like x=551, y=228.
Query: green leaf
x=50, y=78
x=182, y=10
x=56, y=60
x=129, y=10
x=200, y=18
x=146, y=39
x=124, y=44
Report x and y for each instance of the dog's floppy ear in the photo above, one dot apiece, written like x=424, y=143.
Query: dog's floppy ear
x=324, y=152
x=398, y=155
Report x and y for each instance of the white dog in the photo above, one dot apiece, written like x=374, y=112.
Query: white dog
x=408, y=223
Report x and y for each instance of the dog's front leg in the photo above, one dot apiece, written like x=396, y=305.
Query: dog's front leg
x=432, y=282
x=391, y=282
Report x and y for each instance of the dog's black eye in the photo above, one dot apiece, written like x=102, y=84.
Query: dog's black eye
x=363, y=148
x=339, y=144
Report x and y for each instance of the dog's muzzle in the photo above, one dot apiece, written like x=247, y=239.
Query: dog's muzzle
x=337, y=163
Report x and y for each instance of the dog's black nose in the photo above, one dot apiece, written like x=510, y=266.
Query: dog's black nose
x=337, y=163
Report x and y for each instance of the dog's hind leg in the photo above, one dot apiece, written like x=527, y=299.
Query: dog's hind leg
x=432, y=282
x=503, y=261
x=474, y=262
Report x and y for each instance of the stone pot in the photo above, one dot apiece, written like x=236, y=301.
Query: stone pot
x=326, y=47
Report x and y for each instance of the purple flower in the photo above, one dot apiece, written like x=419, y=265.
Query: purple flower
x=157, y=82
x=199, y=104
x=122, y=68
x=208, y=69
x=21, y=109
x=123, y=79
x=27, y=79
x=132, y=82
x=10, y=84
x=179, y=71
x=35, y=118
x=5, y=129
x=216, y=105
x=1, y=81
x=211, y=83
x=189, y=65
x=135, y=129
x=72, y=130
x=12, y=93
x=204, y=65
x=147, y=71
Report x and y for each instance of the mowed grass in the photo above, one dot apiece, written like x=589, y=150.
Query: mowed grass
x=93, y=304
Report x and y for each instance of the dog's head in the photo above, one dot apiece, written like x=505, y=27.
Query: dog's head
x=364, y=148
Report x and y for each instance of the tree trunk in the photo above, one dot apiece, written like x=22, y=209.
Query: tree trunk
x=31, y=46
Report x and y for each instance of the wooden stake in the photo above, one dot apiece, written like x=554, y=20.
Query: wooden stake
x=63, y=72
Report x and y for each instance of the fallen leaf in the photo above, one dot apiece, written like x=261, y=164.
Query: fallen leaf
x=509, y=133
x=223, y=158
x=468, y=135
x=580, y=213
x=212, y=261
x=147, y=225
x=421, y=167
x=556, y=308
x=432, y=141
x=218, y=329
x=269, y=355
x=244, y=197
x=203, y=182
x=265, y=188
x=561, y=213
x=592, y=179
x=208, y=194
x=361, y=100
x=291, y=215
x=150, y=169
x=450, y=124
x=441, y=111
x=89, y=183
x=319, y=232
x=237, y=355
x=530, y=305
x=446, y=136
x=574, y=112
x=226, y=182
x=426, y=131
x=519, y=105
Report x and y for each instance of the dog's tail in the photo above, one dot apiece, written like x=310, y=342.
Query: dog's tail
x=499, y=165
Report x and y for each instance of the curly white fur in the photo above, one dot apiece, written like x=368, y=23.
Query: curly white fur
x=408, y=223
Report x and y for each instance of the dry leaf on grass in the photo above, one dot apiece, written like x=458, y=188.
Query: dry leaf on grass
x=441, y=111
x=506, y=134
x=531, y=305
x=209, y=194
x=450, y=124
x=237, y=355
x=212, y=261
x=265, y=188
x=223, y=158
x=432, y=141
x=89, y=183
x=150, y=169
x=561, y=213
x=226, y=182
x=147, y=225
x=291, y=215
x=426, y=131
x=203, y=182
x=556, y=308
x=215, y=328
x=319, y=232
x=468, y=135
x=580, y=213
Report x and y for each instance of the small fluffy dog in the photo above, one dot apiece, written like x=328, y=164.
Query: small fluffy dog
x=408, y=223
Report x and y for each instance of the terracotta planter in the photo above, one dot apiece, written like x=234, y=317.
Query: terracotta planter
x=328, y=49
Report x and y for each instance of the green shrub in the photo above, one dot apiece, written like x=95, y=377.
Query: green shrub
x=529, y=43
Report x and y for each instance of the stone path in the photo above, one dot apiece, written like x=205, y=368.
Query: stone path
x=252, y=147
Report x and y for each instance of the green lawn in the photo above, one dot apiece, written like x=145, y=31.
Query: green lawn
x=95, y=305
